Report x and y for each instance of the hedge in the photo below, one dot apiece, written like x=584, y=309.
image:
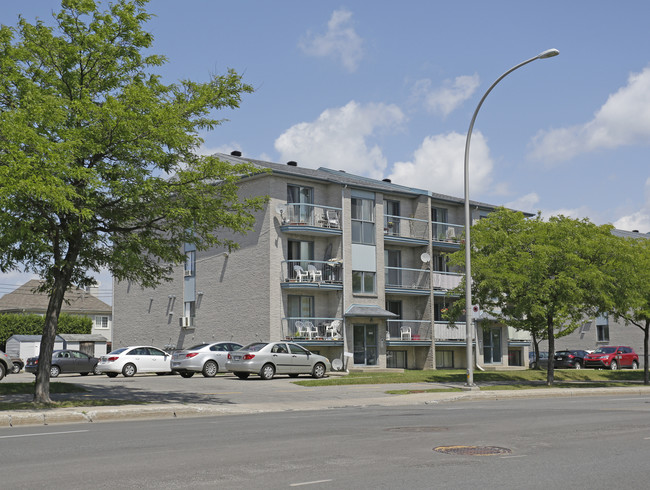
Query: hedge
x=19, y=324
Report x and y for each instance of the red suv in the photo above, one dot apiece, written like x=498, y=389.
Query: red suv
x=612, y=357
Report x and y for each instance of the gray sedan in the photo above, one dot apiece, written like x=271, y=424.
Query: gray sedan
x=270, y=358
x=207, y=359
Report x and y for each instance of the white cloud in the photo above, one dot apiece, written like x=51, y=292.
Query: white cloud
x=639, y=220
x=438, y=165
x=444, y=100
x=528, y=203
x=226, y=148
x=623, y=120
x=339, y=139
x=340, y=41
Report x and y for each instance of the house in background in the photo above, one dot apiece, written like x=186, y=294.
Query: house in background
x=78, y=302
x=350, y=267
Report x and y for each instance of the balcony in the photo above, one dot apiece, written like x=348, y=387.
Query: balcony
x=446, y=280
x=408, y=232
x=408, y=332
x=518, y=336
x=400, y=280
x=446, y=236
x=313, y=330
x=310, y=219
x=445, y=332
x=312, y=274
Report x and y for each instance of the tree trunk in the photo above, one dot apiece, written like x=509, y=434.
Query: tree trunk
x=42, y=387
x=551, y=351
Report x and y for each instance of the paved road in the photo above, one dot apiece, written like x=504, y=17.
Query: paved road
x=593, y=442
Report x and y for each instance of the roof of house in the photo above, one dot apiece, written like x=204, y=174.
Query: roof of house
x=24, y=299
x=83, y=337
x=344, y=178
x=32, y=338
x=630, y=234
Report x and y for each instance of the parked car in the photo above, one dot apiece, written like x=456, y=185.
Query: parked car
x=66, y=361
x=270, y=358
x=205, y=358
x=613, y=357
x=6, y=365
x=543, y=360
x=135, y=359
x=569, y=359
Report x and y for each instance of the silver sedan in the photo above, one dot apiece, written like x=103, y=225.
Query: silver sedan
x=207, y=359
x=270, y=358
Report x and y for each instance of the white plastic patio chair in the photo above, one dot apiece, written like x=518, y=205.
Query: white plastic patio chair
x=333, y=329
x=300, y=273
x=405, y=333
x=312, y=331
x=316, y=275
x=332, y=218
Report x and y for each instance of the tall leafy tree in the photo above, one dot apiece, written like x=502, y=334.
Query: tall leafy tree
x=98, y=157
x=630, y=289
x=536, y=275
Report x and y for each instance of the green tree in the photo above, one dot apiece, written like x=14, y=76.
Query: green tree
x=98, y=158
x=630, y=289
x=541, y=276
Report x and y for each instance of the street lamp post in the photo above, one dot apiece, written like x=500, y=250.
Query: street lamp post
x=549, y=53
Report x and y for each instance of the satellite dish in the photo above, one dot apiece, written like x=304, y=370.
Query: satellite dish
x=337, y=364
x=426, y=258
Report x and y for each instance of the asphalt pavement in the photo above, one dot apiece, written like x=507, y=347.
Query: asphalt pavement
x=172, y=396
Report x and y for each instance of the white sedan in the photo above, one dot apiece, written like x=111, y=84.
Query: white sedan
x=135, y=359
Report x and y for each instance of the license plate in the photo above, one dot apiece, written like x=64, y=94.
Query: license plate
x=236, y=358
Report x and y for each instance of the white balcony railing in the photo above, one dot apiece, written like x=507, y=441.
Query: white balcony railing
x=446, y=280
x=313, y=271
x=521, y=335
x=445, y=331
x=403, y=278
x=446, y=232
x=312, y=328
x=310, y=215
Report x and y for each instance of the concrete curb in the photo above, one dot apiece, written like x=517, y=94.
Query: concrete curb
x=179, y=410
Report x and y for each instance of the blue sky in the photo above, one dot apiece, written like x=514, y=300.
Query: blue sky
x=387, y=89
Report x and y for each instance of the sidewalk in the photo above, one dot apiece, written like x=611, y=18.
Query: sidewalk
x=375, y=397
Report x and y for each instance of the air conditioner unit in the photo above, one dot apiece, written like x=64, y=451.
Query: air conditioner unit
x=187, y=322
x=188, y=273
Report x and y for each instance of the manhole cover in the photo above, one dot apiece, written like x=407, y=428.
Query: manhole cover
x=417, y=429
x=473, y=450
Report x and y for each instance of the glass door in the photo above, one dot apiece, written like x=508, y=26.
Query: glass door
x=365, y=345
x=492, y=345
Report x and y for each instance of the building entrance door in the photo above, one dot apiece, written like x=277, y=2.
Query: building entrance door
x=365, y=344
x=492, y=345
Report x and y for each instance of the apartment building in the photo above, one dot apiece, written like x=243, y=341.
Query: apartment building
x=350, y=267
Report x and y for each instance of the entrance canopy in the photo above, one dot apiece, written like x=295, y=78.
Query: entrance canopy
x=369, y=311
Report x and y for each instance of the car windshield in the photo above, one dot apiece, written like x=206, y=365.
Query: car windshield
x=563, y=353
x=605, y=350
x=255, y=346
x=118, y=351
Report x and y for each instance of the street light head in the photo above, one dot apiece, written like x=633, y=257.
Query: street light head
x=549, y=53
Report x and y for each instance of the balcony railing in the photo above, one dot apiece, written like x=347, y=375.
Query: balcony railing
x=399, y=226
x=446, y=280
x=310, y=215
x=412, y=330
x=445, y=331
x=313, y=271
x=403, y=278
x=312, y=328
x=521, y=335
x=446, y=232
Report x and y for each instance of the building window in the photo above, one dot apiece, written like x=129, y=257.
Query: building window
x=391, y=218
x=363, y=220
x=190, y=263
x=189, y=309
x=101, y=322
x=444, y=359
x=300, y=204
x=603, y=333
x=396, y=359
x=363, y=282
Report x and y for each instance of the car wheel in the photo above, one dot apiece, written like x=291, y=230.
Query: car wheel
x=111, y=375
x=578, y=365
x=54, y=371
x=242, y=375
x=186, y=374
x=84, y=374
x=267, y=372
x=16, y=368
x=319, y=370
x=533, y=365
x=635, y=365
x=96, y=370
x=129, y=370
x=210, y=368
x=613, y=366
x=2, y=371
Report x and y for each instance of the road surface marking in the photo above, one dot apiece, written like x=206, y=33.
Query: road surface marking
x=308, y=483
x=44, y=434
